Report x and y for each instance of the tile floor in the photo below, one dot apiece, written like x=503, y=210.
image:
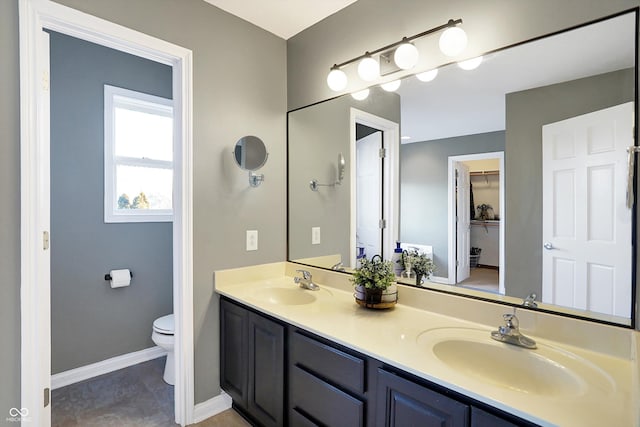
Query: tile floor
x=135, y=396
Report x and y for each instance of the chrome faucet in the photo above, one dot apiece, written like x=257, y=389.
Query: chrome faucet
x=338, y=267
x=530, y=300
x=306, y=281
x=510, y=333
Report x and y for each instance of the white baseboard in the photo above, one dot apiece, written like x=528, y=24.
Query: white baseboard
x=113, y=364
x=211, y=407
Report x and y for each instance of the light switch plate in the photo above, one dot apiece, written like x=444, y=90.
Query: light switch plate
x=315, y=235
x=252, y=240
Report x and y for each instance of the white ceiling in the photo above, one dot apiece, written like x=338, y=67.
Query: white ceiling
x=461, y=102
x=284, y=18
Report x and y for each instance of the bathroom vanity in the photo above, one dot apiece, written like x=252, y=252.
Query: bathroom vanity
x=297, y=357
x=329, y=384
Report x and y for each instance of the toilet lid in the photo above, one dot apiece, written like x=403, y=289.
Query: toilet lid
x=164, y=324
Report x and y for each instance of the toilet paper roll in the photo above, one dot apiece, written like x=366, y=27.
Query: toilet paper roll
x=120, y=278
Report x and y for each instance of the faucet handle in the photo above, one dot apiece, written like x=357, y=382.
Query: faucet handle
x=305, y=274
x=511, y=321
x=530, y=300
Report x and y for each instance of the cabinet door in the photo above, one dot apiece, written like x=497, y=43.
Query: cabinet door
x=266, y=371
x=233, y=351
x=403, y=403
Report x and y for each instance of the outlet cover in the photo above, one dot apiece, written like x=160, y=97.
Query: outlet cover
x=315, y=235
x=252, y=240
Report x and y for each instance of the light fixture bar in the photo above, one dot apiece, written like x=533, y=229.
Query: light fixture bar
x=451, y=23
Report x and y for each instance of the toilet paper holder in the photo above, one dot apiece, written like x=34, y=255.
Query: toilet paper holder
x=107, y=276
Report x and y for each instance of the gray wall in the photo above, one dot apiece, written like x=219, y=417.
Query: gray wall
x=526, y=113
x=239, y=87
x=424, y=189
x=316, y=135
x=90, y=321
x=9, y=209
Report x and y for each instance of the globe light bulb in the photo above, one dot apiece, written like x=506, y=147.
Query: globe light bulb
x=336, y=79
x=391, y=86
x=406, y=56
x=360, y=95
x=470, y=64
x=427, y=76
x=453, y=41
x=368, y=69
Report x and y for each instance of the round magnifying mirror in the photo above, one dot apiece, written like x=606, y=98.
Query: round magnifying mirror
x=250, y=153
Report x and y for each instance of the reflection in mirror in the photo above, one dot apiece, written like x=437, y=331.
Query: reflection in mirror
x=250, y=154
x=538, y=136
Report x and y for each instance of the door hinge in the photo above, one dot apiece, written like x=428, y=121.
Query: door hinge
x=457, y=263
x=382, y=223
x=45, y=240
x=47, y=397
x=382, y=153
x=457, y=173
x=45, y=81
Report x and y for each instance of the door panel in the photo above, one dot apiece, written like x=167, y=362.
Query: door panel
x=369, y=193
x=463, y=225
x=586, y=224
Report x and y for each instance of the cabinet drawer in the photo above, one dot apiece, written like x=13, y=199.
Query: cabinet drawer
x=322, y=402
x=327, y=362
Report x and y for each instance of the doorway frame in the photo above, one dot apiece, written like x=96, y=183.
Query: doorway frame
x=452, y=209
x=34, y=17
x=391, y=177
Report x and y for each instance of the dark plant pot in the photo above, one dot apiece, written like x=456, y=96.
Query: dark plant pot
x=376, y=298
x=419, y=279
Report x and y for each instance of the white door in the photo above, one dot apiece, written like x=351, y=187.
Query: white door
x=586, y=260
x=368, y=193
x=463, y=222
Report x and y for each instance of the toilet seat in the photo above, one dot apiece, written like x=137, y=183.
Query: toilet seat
x=164, y=325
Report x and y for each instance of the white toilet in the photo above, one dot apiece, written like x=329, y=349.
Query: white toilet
x=162, y=335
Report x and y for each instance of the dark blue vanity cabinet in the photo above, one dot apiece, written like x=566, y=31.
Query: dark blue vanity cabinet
x=281, y=375
x=252, y=363
x=327, y=384
x=403, y=403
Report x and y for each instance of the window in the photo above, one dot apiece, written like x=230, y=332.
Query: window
x=138, y=157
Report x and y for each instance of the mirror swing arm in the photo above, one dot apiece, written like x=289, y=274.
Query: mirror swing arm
x=314, y=184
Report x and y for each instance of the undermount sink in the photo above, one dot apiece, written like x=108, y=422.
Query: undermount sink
x=545, y=371
x=286, y=296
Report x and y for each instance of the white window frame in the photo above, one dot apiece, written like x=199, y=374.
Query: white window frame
x=114, y=96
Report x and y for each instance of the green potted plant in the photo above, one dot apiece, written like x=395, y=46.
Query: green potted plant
x=419, y=263
x=375, y=283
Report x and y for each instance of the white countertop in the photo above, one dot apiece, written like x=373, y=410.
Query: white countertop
x=395, y=337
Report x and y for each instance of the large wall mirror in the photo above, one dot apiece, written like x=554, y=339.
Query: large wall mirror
x=513, y=176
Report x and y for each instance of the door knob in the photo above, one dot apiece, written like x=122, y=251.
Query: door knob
x=548, y=245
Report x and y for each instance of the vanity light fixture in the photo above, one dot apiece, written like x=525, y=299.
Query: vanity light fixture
x=368, y=69
x=453, y=41
x=337, y=79
x=405, y=55
x=391, y=86
x=360, y=95
x=427, y=76
x=470, y=64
